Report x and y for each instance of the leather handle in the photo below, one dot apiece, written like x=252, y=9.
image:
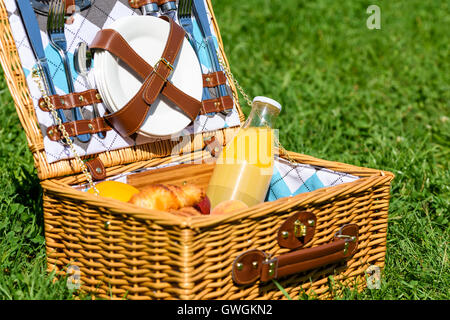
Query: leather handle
x=255, y=265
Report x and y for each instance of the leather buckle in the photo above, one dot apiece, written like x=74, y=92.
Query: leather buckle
x=168, y=65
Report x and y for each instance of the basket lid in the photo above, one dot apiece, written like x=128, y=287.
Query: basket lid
x=16, y=79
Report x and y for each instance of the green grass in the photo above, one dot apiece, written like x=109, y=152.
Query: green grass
x=372, y=98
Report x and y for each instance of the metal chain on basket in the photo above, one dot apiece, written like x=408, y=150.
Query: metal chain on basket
x=249, y=102
x=37, y=77
x=231, y=76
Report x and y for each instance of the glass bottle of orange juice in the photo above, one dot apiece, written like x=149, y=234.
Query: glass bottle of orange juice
x=244, y=168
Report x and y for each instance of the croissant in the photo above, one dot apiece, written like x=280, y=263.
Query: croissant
x=168, y=197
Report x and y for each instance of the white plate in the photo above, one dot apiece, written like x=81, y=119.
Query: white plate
x=105, y=95
x=147, y=35
x=107, y=98
x=99, y=81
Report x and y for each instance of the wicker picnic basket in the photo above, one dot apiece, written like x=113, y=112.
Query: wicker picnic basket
x=123, y=251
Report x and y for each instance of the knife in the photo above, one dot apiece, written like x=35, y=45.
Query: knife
x=202, y=18
x=34, y=35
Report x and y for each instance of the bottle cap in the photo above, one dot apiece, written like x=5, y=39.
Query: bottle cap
x=267, y=100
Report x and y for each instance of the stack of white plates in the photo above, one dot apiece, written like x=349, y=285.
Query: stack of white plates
x=117, y=83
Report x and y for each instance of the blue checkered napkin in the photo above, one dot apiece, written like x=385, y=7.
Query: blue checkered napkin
x=292, y=179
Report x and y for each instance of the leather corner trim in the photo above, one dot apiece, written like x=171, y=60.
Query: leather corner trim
x=302, y=222
x=350, y=233
x=247, y=267
x=96, y=168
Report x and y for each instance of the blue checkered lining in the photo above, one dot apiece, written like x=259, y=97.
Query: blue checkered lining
x=289, y=179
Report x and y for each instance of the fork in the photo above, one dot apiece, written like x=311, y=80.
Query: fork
x=201, y=16
x=185, y=18
x=42, y=6
x=55, y=31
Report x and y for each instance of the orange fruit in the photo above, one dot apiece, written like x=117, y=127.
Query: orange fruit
x=115, y=190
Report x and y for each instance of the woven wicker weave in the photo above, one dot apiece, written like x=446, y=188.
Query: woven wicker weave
x=126, y=251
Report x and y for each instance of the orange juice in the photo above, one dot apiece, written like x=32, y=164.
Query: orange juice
x=245, y=166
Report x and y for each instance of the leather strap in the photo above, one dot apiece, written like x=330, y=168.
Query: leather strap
x=136, y=4
x=96, y=168
x=128, y=120
x=72, y=100
x=217, y=105
x=75, y=128
x=164, y=67
x=113, y=42
x=213, y=146
x=70, y=5
x=255, y=265
x=96, y=125
x=91, y=96
x=214, y=79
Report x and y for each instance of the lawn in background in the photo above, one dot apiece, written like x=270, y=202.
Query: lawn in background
x=372, y=98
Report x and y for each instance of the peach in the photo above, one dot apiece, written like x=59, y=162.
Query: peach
x=229, y=206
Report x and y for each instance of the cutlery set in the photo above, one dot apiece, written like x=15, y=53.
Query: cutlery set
x=153, y=7
x=55, y=10
x=55, y=30
x=32, y=29
x=83, y=63
x=43, y=6
x=188, y=12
